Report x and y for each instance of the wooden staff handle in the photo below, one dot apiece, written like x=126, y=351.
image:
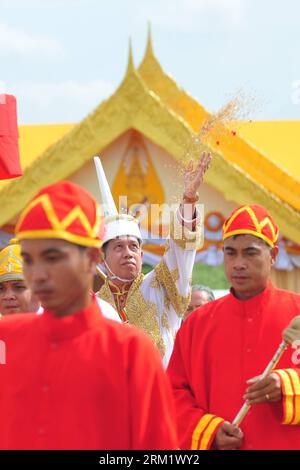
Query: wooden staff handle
x=245, y=408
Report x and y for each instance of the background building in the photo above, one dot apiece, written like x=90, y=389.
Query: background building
x=143, y=133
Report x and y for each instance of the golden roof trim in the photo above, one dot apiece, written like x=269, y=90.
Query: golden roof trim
x=135, y=105
x=255, y=162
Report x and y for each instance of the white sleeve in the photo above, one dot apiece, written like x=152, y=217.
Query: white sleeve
x=107, y=310
x=174, y=271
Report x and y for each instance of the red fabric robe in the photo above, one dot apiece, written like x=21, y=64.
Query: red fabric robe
x=218, y=348
x=82, y=382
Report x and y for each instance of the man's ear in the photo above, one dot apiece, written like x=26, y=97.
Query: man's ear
x=94, y=255
x=274, y=253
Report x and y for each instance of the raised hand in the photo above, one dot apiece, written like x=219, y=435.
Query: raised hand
x=193, y=177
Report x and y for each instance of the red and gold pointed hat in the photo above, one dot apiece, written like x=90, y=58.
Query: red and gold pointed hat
x=251, y=220
x=62, y=210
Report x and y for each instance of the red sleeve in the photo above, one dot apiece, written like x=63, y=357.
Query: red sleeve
x=151, y=400
x=290, y=387
x=196, y=426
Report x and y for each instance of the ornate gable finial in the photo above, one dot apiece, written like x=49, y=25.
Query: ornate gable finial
x=149, y=48
x=130, y=64
x=149, y=64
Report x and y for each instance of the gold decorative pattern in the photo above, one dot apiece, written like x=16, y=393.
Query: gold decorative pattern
x=165, y=321
x=140, y=312
x=154, y=282
x=167, y=279
x=136, y=176
x=175, y=274
x=119, y=294
x=167, y=302
x=106, y=294
x=11, y=263
x=8, y=267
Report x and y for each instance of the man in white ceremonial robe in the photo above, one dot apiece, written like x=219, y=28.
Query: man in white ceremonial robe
x=157, y=301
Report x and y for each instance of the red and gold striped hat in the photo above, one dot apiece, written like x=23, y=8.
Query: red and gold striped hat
x=62, y=210
x=251, y=220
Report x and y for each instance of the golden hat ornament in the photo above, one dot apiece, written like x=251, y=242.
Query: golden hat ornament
x=11, y=263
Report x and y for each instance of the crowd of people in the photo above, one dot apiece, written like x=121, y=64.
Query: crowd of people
x=146, y=362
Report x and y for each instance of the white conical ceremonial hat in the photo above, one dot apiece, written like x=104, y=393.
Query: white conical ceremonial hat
x=108, y=206
x=116, y=225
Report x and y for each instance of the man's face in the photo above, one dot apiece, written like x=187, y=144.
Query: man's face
x=198, y=298
x=124, y=257
x=58, y=272
x=247, y=262
x=15, y=297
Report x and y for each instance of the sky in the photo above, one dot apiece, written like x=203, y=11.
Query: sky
x=61, y=58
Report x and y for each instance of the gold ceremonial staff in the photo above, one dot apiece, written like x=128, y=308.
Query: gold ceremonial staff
x=101, y=273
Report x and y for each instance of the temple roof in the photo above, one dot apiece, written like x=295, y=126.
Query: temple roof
x=258, y=164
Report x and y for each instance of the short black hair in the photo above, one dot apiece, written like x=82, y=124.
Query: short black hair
x=104, y=247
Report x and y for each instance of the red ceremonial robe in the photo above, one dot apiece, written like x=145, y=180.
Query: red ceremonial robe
x=82, y=382
x=219, y=347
